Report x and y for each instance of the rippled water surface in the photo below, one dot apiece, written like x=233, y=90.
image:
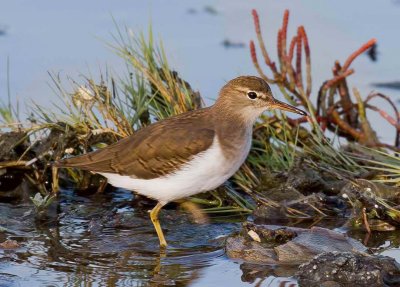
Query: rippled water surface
x=103, y=240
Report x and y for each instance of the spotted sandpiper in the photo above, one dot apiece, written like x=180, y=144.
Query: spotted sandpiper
x=189, y=153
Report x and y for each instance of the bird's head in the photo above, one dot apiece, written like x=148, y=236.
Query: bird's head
x=249, y=96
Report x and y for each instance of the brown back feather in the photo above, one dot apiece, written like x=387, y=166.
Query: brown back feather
x=156, y=150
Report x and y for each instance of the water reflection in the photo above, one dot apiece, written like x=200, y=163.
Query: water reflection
x=272, y=275
x=378, y=241
x=104, y=240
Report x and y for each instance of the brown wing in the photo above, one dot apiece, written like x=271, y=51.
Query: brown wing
x=151, y=152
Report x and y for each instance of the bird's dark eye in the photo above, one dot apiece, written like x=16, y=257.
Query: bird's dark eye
x=252, y=95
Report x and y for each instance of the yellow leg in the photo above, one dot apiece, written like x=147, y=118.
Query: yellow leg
x=154, y=218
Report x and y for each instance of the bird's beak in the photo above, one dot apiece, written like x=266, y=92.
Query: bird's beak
x=286, y=107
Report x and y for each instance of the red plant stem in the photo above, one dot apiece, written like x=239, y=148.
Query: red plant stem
x=391, y=103
x=284, y=30
x=371, y=96
x=391, y=120
x=253, y=55
x=279, y=43
x=335, y=69
x=338, y=78
x=299, y=78
x=346, y=102
x=291, y=48
x=385, y=115
x=289, y=67
x=253, y=52
x=361, y=50
x=321, y=97
x=331, y=97
x=291, y=82
x=261, y=42
x=280, y=50
x=308, y=59
x=256, y=21
x=344, y=126
x=324, y=124
x=282, y=53
x=304, y=119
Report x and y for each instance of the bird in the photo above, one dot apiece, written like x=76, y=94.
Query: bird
x=186, y=154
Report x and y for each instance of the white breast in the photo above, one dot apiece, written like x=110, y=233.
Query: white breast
x=205, y=172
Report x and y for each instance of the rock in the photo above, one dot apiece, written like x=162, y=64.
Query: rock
x=265, y=214
x=250, y=251
x=315, y=241
x=349, y=269
x=283, y=193
x=298, y=181
x=297, y=189
x=287, y=245
x=305, y=180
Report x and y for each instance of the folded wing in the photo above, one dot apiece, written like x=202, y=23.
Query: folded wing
x=154, y=151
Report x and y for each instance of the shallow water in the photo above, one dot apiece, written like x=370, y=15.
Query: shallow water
x=108, y=240
x=104, y=240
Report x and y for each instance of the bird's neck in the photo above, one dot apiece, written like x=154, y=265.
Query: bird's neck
x=234, y=133
x=236, y=115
